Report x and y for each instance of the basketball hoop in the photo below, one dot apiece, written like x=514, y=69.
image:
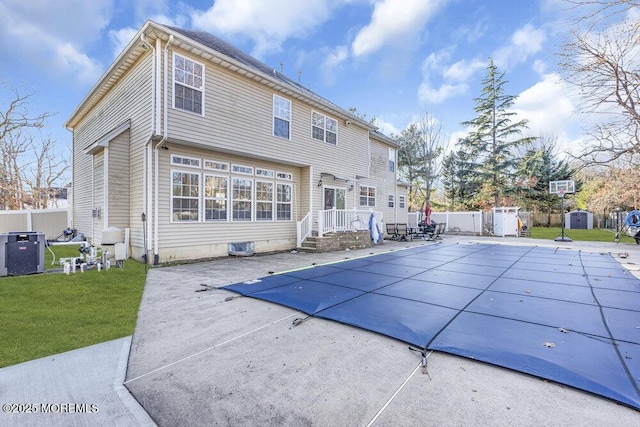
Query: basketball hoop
x=561, y=193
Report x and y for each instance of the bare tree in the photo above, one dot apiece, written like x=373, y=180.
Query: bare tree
x=22, y=177
x=422, y=146
x=602, y=60
x=15, y=116
x=47, y=168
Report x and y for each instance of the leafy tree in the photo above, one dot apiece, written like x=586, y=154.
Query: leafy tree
x=494, y=136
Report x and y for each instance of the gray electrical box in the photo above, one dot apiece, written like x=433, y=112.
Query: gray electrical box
x=21, y=253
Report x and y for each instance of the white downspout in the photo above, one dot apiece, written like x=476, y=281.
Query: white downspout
x=157, y=153
x=105, y=192
x=147, y=149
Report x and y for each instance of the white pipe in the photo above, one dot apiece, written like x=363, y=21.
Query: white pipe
x=157, y=154
x=93, y=202
x=157, y=83
x=105, y=192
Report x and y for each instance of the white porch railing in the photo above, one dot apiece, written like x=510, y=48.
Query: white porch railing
x=304, y=228
x=331, y=220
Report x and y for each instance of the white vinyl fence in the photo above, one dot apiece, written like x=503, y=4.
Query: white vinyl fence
x=458, y=222
x=51, y=222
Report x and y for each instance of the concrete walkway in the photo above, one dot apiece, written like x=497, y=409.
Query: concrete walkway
x=78, y=388
x=198, y=358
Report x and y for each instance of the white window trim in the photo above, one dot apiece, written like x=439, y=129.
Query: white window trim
x=234, y=166
x=191, y=221
x=199, y=160
x=284, y=175
x=256, y=201
x=252, y=199
x=265, y=173
x=375, y=196
x=391, y=200
x=273, y=116
x=324, y=128
x=401, y=202
x=392, y=158
x=275, y=216
x=173, y=88
x=224, y=164
x=205, y=198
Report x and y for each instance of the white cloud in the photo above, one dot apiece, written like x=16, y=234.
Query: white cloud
x=430, y=95
x=48, y=34
x=547, y=106
x=268, y=23
x=453, y=78
x=392, y=21
x=332, y=64
x=525, y=42
x=463, y=70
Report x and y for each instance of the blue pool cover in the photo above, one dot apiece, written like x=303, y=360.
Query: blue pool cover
x=571, y=317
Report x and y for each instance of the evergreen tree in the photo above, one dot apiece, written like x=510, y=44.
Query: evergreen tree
x=494, y=136
x=537, y=168
x=458, y=182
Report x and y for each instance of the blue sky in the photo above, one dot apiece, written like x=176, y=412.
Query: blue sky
x=390, y=59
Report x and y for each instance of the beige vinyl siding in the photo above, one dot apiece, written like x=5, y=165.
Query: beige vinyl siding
x=382, y=179
x=238, y=117
x=119, y=191
x=98, y=198
x=210, y=238
x=130, y=99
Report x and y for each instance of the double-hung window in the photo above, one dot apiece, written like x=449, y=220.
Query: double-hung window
x=281, y=117
x=392, y=160
x=391, y=200
x=188, y=78
x=324, y=128
x=367, y=196
x=216, y=190
x=241, y=199
x=283, y=202
x=264, y=201
x=185, y=196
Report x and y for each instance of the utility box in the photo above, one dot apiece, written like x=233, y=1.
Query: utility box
x=21, y=253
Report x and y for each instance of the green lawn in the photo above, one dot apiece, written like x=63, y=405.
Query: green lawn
x=594, y=235
x=45, y=314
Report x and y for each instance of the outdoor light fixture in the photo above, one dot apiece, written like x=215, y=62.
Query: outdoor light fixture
x=351, y=187
x=320, y=183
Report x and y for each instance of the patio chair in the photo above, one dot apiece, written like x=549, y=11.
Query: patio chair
x=392, y=232
x=402, y=231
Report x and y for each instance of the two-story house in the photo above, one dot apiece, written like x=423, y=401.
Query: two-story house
x=193, y=145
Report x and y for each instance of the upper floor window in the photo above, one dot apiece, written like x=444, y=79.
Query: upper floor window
x=392, y=160
x=281, y=117
x=188, y=77
x=401, y=202
x=324, y=128
x=367, y=196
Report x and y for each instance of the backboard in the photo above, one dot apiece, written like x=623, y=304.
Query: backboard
x=562, y=187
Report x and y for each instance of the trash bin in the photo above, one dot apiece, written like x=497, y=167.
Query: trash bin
x=21, y=253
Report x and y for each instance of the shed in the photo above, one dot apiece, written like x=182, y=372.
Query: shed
x=505, y=221
x=578, y=220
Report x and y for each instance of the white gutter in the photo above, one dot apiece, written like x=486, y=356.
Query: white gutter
x=156, y=148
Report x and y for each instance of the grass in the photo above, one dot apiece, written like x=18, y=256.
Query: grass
x=594, y=235
x=45, y=314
